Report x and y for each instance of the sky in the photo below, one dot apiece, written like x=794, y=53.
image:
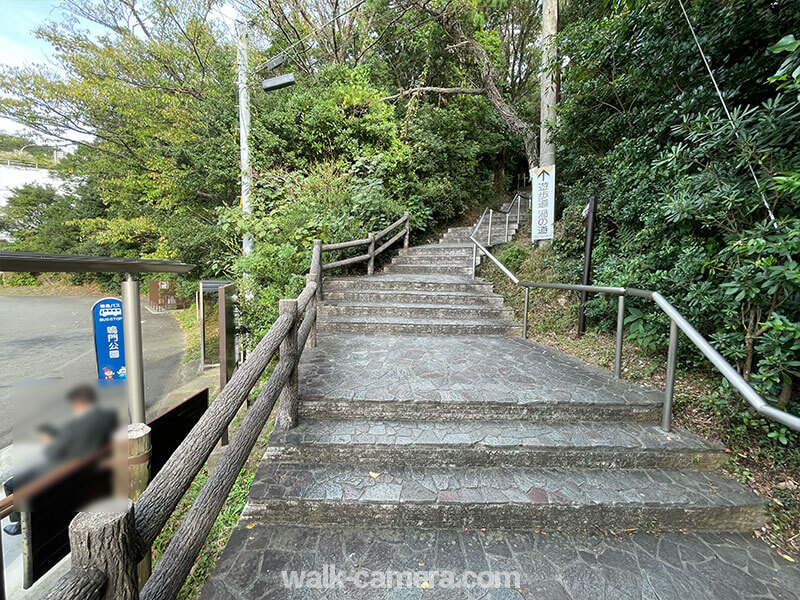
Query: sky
x=19, y=47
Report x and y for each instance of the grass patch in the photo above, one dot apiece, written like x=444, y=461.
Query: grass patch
x=46, y=284
x=187, y=319
x=223, y=526
x=701, y=405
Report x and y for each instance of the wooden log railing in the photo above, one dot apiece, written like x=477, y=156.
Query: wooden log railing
x=369, y=241
x=108, y=544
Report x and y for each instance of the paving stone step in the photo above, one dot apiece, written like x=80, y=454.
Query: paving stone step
x=408, y=282
x=429, y=269
x=462, y=377
x=434, y=259
x=486, y=443
x=542, y=412
x=415, y=310
x=381, y=324
x=503, y=498
x=454, y=249
x=531, y=565
x=409, y=297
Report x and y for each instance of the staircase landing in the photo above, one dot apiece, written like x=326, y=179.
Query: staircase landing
x=550, y=565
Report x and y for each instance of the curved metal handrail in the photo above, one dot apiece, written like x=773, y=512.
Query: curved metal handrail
x=677, y=322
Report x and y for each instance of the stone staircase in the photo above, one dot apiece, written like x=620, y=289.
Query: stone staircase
x=426, y=289
x=459, y=451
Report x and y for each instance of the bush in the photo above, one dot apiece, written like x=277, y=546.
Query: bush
x=19, y=279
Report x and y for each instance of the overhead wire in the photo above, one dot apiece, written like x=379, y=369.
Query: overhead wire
x=312, y=32
x=727, y=112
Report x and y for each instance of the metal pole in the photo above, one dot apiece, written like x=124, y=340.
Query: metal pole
x=587, y=265
x=507, y=214
x=242, y=68
x=489, y=239
x=519, y=208
x=474, y=258
x=669, y=387
x=134, y=362
x=525, y=314
x=620, y=326
x=202, y=307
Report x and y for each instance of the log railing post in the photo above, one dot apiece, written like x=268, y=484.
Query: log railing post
x=408, y=230
x=289, y=400
x=316, y=267
x=104, y=538
x=371, y=263
x=139, y=451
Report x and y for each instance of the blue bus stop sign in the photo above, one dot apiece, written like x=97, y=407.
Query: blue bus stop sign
x=109, y=342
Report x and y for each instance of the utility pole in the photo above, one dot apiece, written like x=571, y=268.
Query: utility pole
x=548, y=82
x=242, y=69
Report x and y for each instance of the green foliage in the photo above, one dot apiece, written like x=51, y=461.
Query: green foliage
x=19, y=279
x=678, y=209
x=513, y=257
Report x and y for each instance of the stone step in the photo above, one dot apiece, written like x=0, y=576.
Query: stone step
x=498, y=237
x=414, y=297
x=415, y=310
x=514, y=498
x=542, y=412
x=461, y=377
x=497, y=230
x=518, y=565
x=487, y=443
x=408, y=282
x=434, y=259
x=379, y=324
x=454, y=249
x=430, y=269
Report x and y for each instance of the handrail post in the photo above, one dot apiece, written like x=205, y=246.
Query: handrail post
x=104, y=538
x=316, y=265
x=620, y=327
x=408, y=230
x=525, y=314
x=519, y=208
x=489, y=239
x=290, y=395
x=139, y=451
x=507, y=214
x=474, y=258
x=371, y=263
x=669, y=387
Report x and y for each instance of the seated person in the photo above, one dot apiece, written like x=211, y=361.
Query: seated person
x=88, y=430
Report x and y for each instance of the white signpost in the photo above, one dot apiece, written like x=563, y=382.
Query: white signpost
x=544, y=202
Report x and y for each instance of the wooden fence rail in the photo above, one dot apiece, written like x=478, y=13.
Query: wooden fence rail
x=108, y=544
x=369, y=241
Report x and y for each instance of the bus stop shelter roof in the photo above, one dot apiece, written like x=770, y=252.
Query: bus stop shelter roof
x=35, y=262
x=212, y=285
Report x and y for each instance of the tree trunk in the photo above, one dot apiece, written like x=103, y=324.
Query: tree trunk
x=489, y=78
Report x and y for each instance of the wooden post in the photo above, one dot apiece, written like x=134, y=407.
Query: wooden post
x=408, y=230
x=312, y=335
x=316, y=265
x=139, y=451
x=290, y=395
x=104, y=538
x=371, y=263
x=548, y=83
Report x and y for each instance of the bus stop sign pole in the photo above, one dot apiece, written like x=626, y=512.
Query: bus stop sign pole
x=132, y=326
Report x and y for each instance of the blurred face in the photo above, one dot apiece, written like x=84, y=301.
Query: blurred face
x=79, y=406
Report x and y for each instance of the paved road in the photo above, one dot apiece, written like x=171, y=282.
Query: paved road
x=48, y=336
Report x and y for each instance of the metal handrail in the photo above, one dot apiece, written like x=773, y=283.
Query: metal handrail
x=677, y=322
